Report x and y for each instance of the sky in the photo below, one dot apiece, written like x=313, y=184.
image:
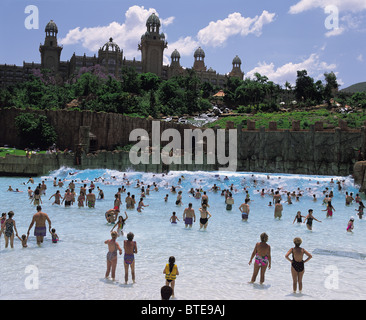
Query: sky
x=272, y=37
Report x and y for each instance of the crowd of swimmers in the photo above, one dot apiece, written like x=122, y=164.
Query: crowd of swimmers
x=261, y=253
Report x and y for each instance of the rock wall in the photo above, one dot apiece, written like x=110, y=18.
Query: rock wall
x=315, y=151
x=110, y=129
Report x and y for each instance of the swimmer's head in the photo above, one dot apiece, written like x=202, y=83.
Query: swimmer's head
x=352, y=219
x=264, y=237
x=166, y=292
x=171, y=260
x=297, y=241
x=53, y=230
x=130, y=236
x=114, y=234
x=10, y=214
x=310, y=210
x=24, y=237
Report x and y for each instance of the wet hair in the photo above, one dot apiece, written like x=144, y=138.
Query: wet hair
x=114, y=234
x=171, y=263
x=264, y=237
x=39, y=208
x=166, y=292
x=53, y=230
x=297, y=241
x=10, y=214
x=130, y=236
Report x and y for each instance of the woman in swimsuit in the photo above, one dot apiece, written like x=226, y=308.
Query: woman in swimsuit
x=298, y=217
x=329, y=209
x=262, y=254
x=57, y=196
x=120, y=224
x=141, y=205
x=9, y=230
x=297, y=263
x=129, y=256
x=113, y=246
x=309, y=220
x=360, y=209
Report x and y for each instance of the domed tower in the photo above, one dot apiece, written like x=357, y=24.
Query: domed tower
x=175, y=67
x=50, y=51
x=199, y=60
x=175, y=56
x=110, y=57
x=236, y=71
x=152, y=46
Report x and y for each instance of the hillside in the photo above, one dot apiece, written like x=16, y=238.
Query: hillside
x=358, y=87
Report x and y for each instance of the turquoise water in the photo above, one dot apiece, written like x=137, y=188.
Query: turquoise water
x=213, y=264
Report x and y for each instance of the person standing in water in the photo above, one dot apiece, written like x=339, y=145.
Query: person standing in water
x=244, y=209
x=329, y=209
x=309, y=220
x=113, y=247
x=262, y=254
x=350, y=225
x=171, y=272
x=10, y=226
x=297, y=263
x=189, y=216
x=130, y=248
x=278, y=210
x=40, y=219
x=205, y=215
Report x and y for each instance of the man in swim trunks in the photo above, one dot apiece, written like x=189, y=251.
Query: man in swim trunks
x=128, y=201
x=205, y=215
x=40, y=219
x=244, y=209
x=189, y=215
x=278, y=210
x=90, y=198
x=130, y=248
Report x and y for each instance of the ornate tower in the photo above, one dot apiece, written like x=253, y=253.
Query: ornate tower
x=152, y=47
x=236, y=71
x=175, y=67
x=50, y=51
x=110, y=57
x=199, y=60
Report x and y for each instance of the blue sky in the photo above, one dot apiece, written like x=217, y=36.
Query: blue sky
x=274, y=38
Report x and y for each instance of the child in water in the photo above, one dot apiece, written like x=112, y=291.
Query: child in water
x=174, y=218
x=350, y=225
x=24, y=240
x=54, y=236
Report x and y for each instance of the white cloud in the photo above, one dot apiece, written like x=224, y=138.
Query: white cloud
x=342, y=5
x=127, y=35
x=288, y=72
x=217, y=32
x=335, y=32
x=360, y=58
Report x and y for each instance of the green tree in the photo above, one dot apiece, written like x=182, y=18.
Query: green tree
x=35, y=131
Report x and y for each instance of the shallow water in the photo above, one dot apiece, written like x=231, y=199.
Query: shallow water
x=213, y=264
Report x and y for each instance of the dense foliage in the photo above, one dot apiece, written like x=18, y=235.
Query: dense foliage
x=146, y=94
x=35, y=131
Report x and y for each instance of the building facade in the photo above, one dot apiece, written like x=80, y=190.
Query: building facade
x=110, y=58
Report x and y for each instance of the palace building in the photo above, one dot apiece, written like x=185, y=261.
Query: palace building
x=110, y=58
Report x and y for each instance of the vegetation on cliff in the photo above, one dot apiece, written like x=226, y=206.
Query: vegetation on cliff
x=146, y=94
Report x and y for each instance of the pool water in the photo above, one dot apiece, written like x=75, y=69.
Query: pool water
x=213, y=263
